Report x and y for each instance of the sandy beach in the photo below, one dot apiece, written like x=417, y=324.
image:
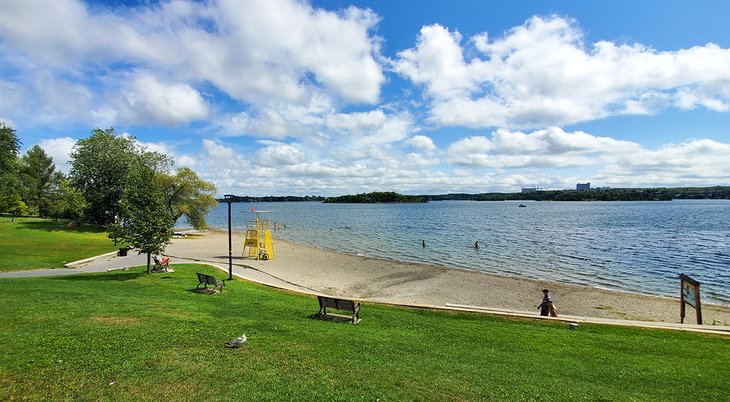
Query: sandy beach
x=368, y=279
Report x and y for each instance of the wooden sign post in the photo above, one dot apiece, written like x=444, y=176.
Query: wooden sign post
x=690, y=294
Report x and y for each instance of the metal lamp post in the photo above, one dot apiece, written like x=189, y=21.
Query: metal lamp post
x=229, y=199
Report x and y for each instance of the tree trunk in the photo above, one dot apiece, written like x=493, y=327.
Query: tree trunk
x=149, y=270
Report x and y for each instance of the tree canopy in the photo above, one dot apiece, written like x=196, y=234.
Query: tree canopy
x=100, y=165
x=188, y=195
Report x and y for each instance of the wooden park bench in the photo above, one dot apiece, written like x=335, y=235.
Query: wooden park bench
x=338, y=304
x=205, y=280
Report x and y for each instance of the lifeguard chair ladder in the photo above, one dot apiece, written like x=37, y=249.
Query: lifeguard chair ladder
x=258, y=236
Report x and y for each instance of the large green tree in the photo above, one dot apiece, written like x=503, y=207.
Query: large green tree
x=37, y=172
x=100, y=165
x=10, y=185
x=188, y=195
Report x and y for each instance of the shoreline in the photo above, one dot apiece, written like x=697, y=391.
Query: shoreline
x=392, y=281
x=476, y=271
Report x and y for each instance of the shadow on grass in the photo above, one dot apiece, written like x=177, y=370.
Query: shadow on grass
x=207, y=292
x=337, y=318
x=61, y=226
x=126, y=276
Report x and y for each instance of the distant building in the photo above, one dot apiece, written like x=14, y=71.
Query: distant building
x=583, y=186
x=526, y=190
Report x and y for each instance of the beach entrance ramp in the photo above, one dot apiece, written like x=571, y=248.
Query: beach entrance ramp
x=259, y=244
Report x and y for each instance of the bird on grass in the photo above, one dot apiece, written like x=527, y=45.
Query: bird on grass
x=236, y=342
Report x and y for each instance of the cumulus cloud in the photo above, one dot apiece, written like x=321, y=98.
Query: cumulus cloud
x=585, y=156
x=277, y=154
x=694, y=162
x=255, y=51
x=306, y=84
x=150, y=100
x=59, y=149
x=552, y=147
x=421, y=142
x=542, y=73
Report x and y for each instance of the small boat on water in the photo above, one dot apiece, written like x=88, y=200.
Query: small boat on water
x=522, y=205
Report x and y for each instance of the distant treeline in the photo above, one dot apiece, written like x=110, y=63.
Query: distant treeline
x=271, y=198
x=599, y=194
x=376, y=198
x=603, y=194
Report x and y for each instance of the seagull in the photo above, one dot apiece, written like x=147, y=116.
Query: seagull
x=236, y=342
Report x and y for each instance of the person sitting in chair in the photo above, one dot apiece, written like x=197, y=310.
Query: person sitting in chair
x=162, y=262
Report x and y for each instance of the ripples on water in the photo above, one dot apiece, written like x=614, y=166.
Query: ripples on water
x=631, y=246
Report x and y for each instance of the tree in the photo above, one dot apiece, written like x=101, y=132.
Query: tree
x=100, y=165
x=188, y=195
x=10, y=186
x=14, y=205
x=66, y=201
x=9, y=147
x=37, y=174
x=145, y=222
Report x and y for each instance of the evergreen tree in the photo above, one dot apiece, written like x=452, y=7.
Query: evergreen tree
x=37, y=173
x=10, y=186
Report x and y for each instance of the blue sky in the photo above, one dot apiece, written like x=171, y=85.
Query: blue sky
x=332, y=97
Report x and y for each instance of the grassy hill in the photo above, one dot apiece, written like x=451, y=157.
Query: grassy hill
x=126, y=335
x=28, y=243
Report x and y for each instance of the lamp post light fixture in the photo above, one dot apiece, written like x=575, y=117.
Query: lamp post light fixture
x=229, y=199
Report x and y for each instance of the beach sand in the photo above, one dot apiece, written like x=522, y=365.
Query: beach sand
x=370, y=279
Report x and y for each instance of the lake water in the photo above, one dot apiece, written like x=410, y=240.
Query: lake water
x=631, y=246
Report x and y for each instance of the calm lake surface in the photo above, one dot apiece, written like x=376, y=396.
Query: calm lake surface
x=631, y=246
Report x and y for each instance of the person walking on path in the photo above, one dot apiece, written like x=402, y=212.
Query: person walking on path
x=546, y=303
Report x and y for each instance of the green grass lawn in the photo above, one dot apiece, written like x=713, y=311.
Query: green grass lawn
x=29, y=243
x=132, y=336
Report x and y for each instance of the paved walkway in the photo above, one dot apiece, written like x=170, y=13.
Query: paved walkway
x=180, y=253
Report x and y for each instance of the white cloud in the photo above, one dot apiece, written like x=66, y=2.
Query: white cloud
x=59, y=149
x=694, y=162
x=150, y=100
x=8, y=122
x=356, y=123
x=541, y=73
x=258, y=52
x=421, y=142
x=277, y=154
x=552, y=147
x=217, y=151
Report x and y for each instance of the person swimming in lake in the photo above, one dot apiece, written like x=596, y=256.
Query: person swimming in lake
x=423, y=242
x=476, y=245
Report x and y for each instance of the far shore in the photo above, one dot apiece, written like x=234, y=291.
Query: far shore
x=390, y=281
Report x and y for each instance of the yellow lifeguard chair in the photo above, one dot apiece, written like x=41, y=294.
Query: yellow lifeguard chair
x=258, y=236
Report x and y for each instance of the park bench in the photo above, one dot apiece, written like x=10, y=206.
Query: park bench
x=338, y=304
x=205, y=280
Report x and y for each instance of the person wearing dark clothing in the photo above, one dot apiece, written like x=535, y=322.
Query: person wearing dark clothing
x=546, y=303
